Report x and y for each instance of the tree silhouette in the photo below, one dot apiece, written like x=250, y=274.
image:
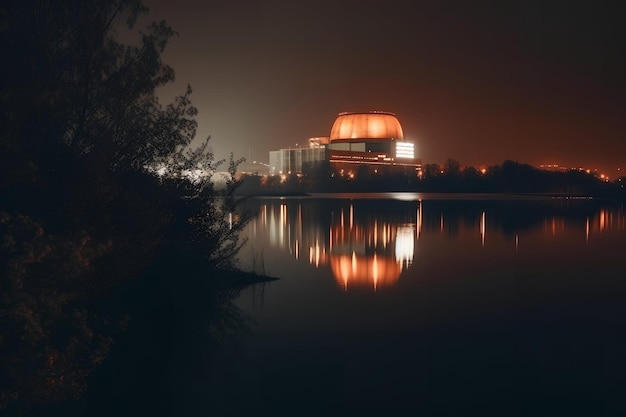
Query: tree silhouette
x=80, y=213
x=72, y=86
x=452, y=167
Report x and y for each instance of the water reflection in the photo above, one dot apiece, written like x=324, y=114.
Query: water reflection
x=370, y=251
x=369, y=243
x=364, y=244
x=522, y=300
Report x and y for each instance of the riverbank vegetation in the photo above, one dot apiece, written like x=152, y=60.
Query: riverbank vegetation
x=449, y=177
x=93, y=243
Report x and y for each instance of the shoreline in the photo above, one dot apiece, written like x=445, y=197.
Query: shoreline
x=447, y=195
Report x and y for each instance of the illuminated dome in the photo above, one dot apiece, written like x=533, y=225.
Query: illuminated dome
x=372, y=125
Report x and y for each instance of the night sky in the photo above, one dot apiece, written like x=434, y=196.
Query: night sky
x=479, y=81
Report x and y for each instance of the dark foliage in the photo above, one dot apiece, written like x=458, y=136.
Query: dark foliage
x=510, y=177
x=80, y=213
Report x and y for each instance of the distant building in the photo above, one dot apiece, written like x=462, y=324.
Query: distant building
x=555, y=167
x=372, y=140
x=253, y=168
x=296, y=160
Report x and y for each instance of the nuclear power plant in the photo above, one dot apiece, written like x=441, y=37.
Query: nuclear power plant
x=371, y=141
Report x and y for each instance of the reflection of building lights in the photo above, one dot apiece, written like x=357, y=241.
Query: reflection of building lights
x=483, y=228
x=283, y=214
x=375, y=253
x=282, y=220
x=351, y=215
x=372, y=255
x=405, y=245
x=317, y=254
x=273, y=228
x=384, y=235
x=603, y=220
x=371, y=271
x=264, y=214
x=375, y=233
x=375, y=272
x=554, y=225
x=419, y=219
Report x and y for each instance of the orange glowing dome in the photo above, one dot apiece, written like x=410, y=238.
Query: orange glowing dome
x=371, y=271
x=371, y=125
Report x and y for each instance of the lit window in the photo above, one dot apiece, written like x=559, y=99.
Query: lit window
x=405, y=150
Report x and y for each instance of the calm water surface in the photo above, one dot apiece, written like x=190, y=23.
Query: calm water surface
x=407, y=304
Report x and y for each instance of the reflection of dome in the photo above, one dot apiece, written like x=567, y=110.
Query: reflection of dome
x=371, y=271
x=372, y=125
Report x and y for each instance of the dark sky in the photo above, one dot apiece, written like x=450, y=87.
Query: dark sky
x=479, y=81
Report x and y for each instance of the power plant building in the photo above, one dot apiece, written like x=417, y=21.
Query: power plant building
x=297, y=160
x=372, y=140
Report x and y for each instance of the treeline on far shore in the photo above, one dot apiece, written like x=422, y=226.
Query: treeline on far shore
x=509, y=177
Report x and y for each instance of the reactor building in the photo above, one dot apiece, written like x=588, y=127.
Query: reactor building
x=373, y=141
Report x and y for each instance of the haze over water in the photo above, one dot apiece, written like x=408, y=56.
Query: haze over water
x=400, y=303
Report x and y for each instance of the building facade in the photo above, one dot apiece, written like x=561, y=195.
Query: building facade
x=373, y=141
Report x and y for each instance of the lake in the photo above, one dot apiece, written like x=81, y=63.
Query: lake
x=417, y=304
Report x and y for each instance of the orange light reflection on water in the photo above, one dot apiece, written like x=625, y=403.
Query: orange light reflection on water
x=372, y=250
x=364, y=271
